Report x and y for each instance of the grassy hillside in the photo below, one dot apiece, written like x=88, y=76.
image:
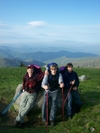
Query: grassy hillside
x=87, y=121
x=86, y=62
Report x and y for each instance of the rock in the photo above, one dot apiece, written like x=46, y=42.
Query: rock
x=38, y=102
x=92, y=129
x=82, y=78
x=39, y=99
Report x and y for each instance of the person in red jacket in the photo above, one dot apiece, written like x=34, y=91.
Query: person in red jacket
x=31, y=80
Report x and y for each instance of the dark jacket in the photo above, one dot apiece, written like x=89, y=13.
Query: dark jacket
x=70, y=76
x=52, y=81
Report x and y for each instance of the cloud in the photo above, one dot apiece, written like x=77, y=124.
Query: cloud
x=40, y=30
x=37, y=23
x=4, y=26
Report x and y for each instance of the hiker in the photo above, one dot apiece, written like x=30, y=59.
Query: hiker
x=71, y=82
x=50, y=83
x=30, y=89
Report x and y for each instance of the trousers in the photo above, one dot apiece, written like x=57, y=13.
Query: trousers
x=52, y=96
x=27, y=103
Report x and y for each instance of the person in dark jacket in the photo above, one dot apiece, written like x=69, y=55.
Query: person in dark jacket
x=30, y=89
x=71, y=82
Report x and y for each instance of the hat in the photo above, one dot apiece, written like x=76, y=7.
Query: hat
x=30, y=66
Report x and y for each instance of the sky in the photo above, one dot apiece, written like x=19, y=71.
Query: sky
x=29, y=21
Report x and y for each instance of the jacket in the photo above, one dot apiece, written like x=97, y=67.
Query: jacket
x=70, y=76
x=33, y=83
x=50, y=81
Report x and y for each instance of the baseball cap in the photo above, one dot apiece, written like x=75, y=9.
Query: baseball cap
x=30, y=66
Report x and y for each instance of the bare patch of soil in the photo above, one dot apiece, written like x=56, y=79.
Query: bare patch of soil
x=7, y=120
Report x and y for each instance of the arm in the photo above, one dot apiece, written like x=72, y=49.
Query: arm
x=76, y=82
x=45, y=82
x=46, y=71
x=61, y=82
x=23, y=84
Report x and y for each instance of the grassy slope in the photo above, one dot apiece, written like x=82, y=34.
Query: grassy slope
x=84, y=122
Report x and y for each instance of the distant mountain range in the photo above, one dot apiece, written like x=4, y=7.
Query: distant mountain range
x=6, y=52
x=85, y=62
x=12, y=57
x=11, y=62
x=53, y=46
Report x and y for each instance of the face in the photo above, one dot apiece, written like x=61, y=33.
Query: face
x=70, y=69
x=53, y=71
x=30, y=71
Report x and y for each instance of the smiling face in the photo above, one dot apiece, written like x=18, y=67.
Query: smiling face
x=53, y=69
x=30, y=71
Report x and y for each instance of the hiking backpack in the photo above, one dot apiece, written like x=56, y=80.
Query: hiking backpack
x=62, y=69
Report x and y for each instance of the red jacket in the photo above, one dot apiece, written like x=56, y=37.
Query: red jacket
x=33, y=83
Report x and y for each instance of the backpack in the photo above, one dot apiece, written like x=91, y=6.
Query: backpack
x=50, y=64
x=62, y=69
x=37, y=69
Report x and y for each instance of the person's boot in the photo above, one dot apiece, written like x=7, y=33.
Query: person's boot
x=69, y=117
x=17, y=124
x=78, y=108
x=52, y=123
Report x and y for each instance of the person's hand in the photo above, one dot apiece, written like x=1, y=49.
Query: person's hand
x=45, y=87
x=72, y=82
x=75, y=88
x=46, y=72
x=61, y=85
x=22, y=93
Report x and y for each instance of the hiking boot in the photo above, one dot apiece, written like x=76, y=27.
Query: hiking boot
x=45, y=123
x=52, y=123
x=17, y=124
x=69, y=117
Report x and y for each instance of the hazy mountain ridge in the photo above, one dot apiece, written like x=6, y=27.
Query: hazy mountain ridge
x=53, y=46
x=11, y=62
x=85, y=62
x=42, y=56
x=10, y=57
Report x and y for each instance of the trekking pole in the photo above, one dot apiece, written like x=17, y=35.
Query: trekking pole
x=10, y=104
x=47, y=110
x=68, y=94
x=63, y=104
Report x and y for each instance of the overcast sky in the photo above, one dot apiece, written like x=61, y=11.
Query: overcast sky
x=25, y=21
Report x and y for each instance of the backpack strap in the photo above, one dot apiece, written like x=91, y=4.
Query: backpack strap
x=50, y=64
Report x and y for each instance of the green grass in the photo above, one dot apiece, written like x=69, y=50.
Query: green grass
x=87, y=121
